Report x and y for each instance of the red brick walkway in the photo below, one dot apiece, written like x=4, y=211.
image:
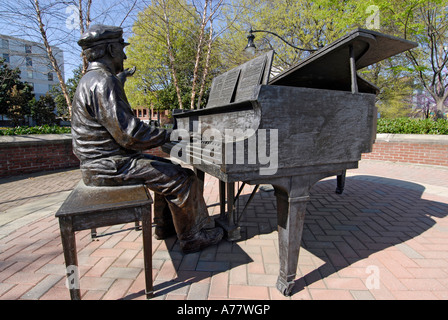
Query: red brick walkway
x=386, y=237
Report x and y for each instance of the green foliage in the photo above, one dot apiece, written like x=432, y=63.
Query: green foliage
x=43, y=110
x=45, y=129
x=413, y=126
x=153, y=82
x=8, y=78
x=397, y=126
x=310, y=24
x=396, y=88
x=425, y=22
x=304, y=24
x=16, y=97
x=58, y=96
x=20, y=101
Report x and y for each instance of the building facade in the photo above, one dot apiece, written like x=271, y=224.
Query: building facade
x=32, y=60
x=151, y=116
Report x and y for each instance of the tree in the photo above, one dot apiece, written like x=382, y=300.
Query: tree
x=59, y=99
x=15, y=96
x=84, y=23
x=49, y=22
x=164, y=48
x=20, y=100
x=43, y=110
x=427, y=22
x=427, y=106
x=8, y=78
x=312, y=24
x=207, y=18
x=396, y=85
x=304, y=24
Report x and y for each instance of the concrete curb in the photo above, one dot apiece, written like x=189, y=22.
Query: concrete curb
x=32, y=139
x=413, y=138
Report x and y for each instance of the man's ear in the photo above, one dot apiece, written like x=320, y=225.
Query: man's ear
x=110, y=50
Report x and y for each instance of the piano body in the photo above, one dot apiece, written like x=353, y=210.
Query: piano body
x=307, y=123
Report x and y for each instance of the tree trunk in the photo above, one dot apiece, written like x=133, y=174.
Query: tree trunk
x=171, y=57
x=207, y=65
x=85, y=63
x=440, y=106
x=198, y=54
x=53, y=60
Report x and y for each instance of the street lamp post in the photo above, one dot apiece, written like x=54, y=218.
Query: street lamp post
x=250, y=48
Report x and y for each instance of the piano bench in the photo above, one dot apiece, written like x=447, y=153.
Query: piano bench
x=94, y=207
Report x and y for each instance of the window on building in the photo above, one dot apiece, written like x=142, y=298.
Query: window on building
x=6, y=57
x=50, y=76
x=145, y=113
x=29, y=74
x=29, y=62
x=5, y=44
x=139, y=113
x=28, y=49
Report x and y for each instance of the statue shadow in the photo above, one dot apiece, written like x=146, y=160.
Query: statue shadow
x=199, y=267
x=177, y=272
x=372, y=214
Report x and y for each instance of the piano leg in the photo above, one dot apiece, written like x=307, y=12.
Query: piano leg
x=292, y=197
x=341, y=182
x=227, y=219
x=222, y=198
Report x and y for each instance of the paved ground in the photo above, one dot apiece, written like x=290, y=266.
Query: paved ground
x=386, y=237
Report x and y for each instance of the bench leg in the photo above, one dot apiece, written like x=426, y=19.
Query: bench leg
x=70, y=256
x=147, y=251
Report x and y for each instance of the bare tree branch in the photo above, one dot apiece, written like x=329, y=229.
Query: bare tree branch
x=127, y=14
x=198, y=53
x=170, y=52
x=51, y=56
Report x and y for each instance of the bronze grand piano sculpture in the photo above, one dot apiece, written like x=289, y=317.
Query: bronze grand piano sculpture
x=316, y=118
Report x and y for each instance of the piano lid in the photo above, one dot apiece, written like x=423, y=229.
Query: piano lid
x=329, y=68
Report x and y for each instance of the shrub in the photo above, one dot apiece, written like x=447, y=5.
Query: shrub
x=45, y=129
x=399, y=125
x=412, y=126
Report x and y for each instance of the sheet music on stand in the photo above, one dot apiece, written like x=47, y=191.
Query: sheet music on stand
x=238, y=84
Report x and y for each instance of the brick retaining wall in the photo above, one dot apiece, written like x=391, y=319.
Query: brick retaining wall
x=419, y=149
x=36, y=153
x=40, y=152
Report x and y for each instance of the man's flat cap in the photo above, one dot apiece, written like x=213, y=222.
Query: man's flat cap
x=100, y=34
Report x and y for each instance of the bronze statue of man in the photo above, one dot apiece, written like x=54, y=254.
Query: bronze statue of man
x=108, y=140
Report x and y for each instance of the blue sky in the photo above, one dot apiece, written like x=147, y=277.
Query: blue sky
x=60, y=19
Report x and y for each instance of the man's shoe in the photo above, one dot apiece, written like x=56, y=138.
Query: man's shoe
x=202, y=240
x=162, y=233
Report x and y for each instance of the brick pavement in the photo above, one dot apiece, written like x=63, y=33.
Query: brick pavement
x=386, y=237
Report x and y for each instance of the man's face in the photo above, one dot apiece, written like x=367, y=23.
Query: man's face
x=119, y=57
